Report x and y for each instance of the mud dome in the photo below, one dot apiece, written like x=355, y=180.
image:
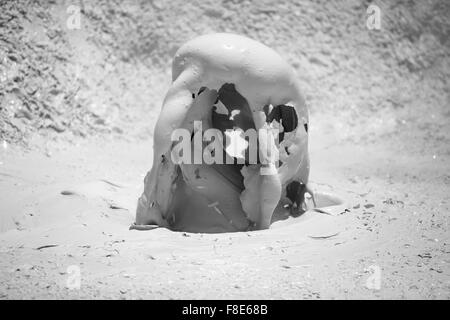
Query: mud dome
x=228, y=81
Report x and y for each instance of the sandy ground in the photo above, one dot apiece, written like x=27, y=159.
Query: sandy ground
x=393, y=243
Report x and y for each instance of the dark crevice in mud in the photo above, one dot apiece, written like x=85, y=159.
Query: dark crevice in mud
x=286, y=115
x=201, y=90
x=287, y=150
x=295, y=191
x=232, y=100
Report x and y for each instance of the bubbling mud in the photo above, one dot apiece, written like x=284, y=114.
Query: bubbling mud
x=229, y=82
